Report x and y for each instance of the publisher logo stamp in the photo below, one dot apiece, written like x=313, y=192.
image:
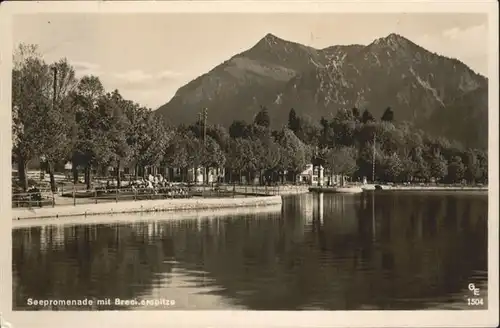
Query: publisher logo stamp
x=474, y=297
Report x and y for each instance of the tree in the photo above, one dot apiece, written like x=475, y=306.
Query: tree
x=153, y=140
x=438, y=167
x=482, y=158
x=258, y=132
x=367, y=117
x=242, y=158
x=388, y=115
x=393, y=167
x=176, y=153
x=356, y=114
x=30, y=87
x=456, y=170
x=17, y=128
x=409, y=168
x=219, y=134
x=212, y=155
x=293, y=153
x=238, y=129
x=366, y=133
x=57, y=139
x=344, y=127
x=422, y=168
x=235, y=156
x=90, y=145
x=267, y=154
x=473, y=170
x=327, y=135
x=117, y=127
x=342, y=160
x=262, y=118
x=391, y=138
x=309, y=131
x=323, y=122
x=293, y=121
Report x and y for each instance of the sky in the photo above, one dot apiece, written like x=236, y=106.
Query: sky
x=149, y=56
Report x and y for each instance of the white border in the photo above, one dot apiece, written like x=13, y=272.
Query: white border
x=125, y=319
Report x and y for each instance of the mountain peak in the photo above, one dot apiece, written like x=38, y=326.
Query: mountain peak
x=393, y=41
x=270, y=36
x=394, y=36
x=271, y=40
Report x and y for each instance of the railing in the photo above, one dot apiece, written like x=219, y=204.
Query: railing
x=77, y=196
x=33, y=199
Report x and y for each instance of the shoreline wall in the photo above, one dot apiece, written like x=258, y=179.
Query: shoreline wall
x=134, y=218
x=191, y=204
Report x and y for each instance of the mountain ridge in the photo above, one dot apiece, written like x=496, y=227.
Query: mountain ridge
x=391, y=71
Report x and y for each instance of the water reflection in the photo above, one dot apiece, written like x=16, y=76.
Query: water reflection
x=335, y=252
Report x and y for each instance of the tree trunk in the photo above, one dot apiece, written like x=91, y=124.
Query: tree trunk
x=21, y=170
x=88, y=168
x=118, y=177
x=74, y=170
x=50, y=167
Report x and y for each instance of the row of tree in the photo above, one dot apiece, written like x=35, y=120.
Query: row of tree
x=57, y=117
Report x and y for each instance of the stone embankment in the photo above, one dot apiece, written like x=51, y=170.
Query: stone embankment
x=191, y=204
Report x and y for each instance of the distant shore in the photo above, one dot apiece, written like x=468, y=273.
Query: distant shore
x=423, y=188
x=372, y=187
x=167, y=205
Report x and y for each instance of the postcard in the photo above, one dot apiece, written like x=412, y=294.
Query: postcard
x=249, y=164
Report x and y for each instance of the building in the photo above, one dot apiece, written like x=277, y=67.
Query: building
x=319, y=176
x=312, y=175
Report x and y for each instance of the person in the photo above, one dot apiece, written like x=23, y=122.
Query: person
x=36, y=196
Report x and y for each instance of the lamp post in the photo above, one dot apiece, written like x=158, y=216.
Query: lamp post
x=202, y=118
x=373, y=161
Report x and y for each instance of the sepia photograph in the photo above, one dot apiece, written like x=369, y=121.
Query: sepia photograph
x=307, y=162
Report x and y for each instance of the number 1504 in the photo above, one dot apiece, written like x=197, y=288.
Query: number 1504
x=475, y=301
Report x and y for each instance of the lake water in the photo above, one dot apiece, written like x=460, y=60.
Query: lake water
x=381, y=250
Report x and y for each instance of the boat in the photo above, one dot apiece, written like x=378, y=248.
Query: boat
x=348, y=190
x=337, y=190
